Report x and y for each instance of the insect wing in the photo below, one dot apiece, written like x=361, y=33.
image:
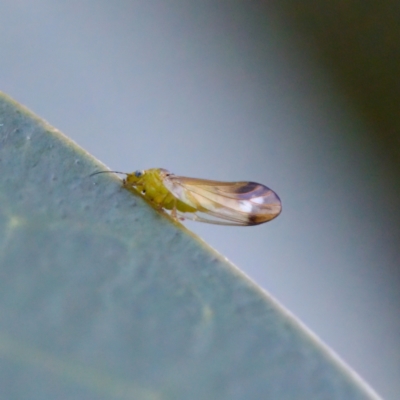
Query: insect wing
x=226, y=203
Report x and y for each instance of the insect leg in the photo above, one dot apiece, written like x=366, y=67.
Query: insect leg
x=173, y=211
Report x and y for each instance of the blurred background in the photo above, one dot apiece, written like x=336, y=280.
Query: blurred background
x=301, y=95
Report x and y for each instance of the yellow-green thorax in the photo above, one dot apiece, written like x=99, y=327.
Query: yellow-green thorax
x=150, y=184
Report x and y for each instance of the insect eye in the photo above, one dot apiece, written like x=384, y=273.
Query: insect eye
x=139, y=174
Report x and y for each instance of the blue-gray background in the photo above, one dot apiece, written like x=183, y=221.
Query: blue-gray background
x=229, y=91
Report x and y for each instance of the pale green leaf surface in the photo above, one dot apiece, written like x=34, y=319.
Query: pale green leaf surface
x=102, y=297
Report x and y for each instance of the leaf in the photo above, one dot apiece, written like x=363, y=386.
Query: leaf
x=103, y=297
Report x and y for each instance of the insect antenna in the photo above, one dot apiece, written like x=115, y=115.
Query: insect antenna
x=108, y=172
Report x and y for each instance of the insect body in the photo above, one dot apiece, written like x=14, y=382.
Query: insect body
x=224, y=203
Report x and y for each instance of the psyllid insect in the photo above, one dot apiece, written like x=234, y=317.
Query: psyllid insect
x=223, y=203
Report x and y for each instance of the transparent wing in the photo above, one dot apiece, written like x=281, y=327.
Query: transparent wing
x=200, y=216
x=225, y=203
